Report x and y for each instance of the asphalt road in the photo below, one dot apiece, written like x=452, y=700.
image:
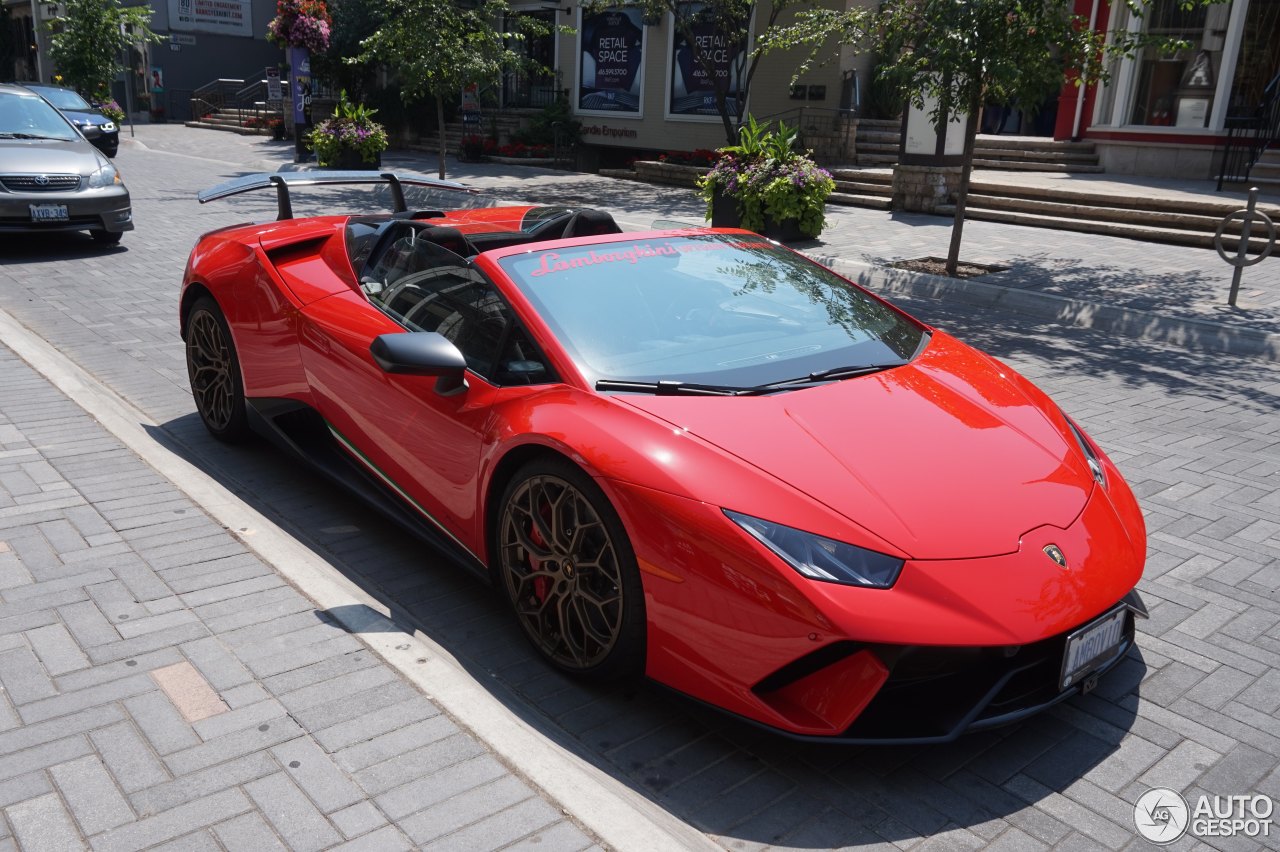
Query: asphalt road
x=1193, y=709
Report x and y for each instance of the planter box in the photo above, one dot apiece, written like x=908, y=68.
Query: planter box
x=724, y=214
x=349, y=160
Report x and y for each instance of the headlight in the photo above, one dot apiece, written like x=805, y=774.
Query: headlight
x=1091, y=456
x=820, y=558
x=105, y=176
x=108, y=127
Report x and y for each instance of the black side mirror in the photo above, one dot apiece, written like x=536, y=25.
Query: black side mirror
x=421, y=353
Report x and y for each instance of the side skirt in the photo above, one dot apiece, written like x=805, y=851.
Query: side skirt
x=300, y=430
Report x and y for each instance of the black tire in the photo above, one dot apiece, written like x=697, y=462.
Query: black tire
x=568, y=570
x=214, y=371
x=106, y=238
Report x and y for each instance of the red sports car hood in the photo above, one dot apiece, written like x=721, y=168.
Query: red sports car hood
x=946, y=457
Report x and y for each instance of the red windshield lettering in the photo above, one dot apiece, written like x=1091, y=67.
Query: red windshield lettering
x=553, y=262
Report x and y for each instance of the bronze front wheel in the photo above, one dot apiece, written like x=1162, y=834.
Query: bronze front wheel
x=569, y=572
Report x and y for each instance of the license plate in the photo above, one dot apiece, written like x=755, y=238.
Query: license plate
x=49, y=213
x=1092, y=644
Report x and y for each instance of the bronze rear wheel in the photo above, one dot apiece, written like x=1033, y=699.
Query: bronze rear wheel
x=214, y=372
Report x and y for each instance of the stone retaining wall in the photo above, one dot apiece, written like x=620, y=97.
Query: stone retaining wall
x=922, y=189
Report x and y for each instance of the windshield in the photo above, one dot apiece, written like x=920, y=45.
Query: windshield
x=29, y=117
x=710, y=308
x=63, y=98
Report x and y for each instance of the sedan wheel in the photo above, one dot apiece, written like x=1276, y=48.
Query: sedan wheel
x=214, y=372
x=570, y=573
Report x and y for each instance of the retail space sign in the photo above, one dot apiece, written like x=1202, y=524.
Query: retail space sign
x=228, y=17
x=711, y=58
x=610, y=54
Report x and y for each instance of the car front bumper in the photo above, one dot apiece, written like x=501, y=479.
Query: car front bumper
x=108, y=209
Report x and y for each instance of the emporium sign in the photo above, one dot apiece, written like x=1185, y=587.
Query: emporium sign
x=610, y=66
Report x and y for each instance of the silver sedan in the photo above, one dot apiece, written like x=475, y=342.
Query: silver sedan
x=51, y=178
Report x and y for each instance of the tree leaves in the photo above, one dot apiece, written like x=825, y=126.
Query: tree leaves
x=88, y=38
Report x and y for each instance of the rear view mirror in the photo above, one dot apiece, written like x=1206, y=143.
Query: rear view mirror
x=421, y=353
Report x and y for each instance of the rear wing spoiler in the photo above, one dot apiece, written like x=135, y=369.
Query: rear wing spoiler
x=283, y=180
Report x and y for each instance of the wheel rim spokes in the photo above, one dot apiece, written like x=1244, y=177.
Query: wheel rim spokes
x=209, y=369
x=562, y=571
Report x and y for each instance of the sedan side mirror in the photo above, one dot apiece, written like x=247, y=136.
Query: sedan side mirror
x=421, y=353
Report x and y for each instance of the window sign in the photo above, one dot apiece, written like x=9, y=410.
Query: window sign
x=611, y=47
x=713, y=58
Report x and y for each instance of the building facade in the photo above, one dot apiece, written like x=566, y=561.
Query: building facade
x=1166, y=114
x=202, y=41
x=636, y=84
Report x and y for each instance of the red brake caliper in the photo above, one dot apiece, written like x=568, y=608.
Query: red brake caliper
x=541, y=585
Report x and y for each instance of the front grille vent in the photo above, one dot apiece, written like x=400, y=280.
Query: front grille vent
x=40, y=183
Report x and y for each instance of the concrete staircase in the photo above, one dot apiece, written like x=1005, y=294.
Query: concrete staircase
x=1265, y=173
x=877, y=145
x=233, y=121
x=863, y=188
x=1177, y=221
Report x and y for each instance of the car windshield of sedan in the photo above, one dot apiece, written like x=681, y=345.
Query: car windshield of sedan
x=729, y=309
x=29, y=117
x=63, y=98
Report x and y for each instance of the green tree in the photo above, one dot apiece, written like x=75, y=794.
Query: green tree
x=436, y=47
x=730, y=21
x=88, y=39
x=961, y=54
x=353, y=22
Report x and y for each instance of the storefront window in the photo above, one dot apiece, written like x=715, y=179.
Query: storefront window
x=1259, y=56
x=1176, y=89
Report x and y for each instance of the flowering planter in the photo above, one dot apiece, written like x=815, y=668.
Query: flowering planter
x=350, y=160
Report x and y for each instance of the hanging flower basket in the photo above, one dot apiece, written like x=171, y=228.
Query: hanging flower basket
x=301, y=23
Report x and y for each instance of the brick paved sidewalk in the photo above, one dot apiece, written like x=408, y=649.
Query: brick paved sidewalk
x=162, y=685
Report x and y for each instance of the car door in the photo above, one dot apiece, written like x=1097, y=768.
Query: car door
x=421, y=435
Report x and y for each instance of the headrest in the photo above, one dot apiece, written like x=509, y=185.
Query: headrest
x=447, y=238
x=591, y=223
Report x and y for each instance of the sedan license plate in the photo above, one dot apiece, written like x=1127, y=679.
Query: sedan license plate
x=49, y=213
x=1092, y=644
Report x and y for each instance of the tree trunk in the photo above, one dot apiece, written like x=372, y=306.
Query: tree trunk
x=440, y=130
x=722, y=106
x=962, y=192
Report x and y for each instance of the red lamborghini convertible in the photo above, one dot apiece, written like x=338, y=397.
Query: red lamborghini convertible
x=688, y=453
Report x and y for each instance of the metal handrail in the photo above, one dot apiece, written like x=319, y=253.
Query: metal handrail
x=1249, y=135
x=213, y=96
x=248, y=98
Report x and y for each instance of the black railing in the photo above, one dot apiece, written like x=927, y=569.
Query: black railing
x=214, y=95
x=526, y=90
x=1249, y=135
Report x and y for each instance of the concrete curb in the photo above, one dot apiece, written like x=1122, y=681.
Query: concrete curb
x=1202, y=335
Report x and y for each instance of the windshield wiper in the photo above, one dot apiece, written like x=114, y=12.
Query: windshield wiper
x=13, y=135
x=674, y=388
x=834, y=374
